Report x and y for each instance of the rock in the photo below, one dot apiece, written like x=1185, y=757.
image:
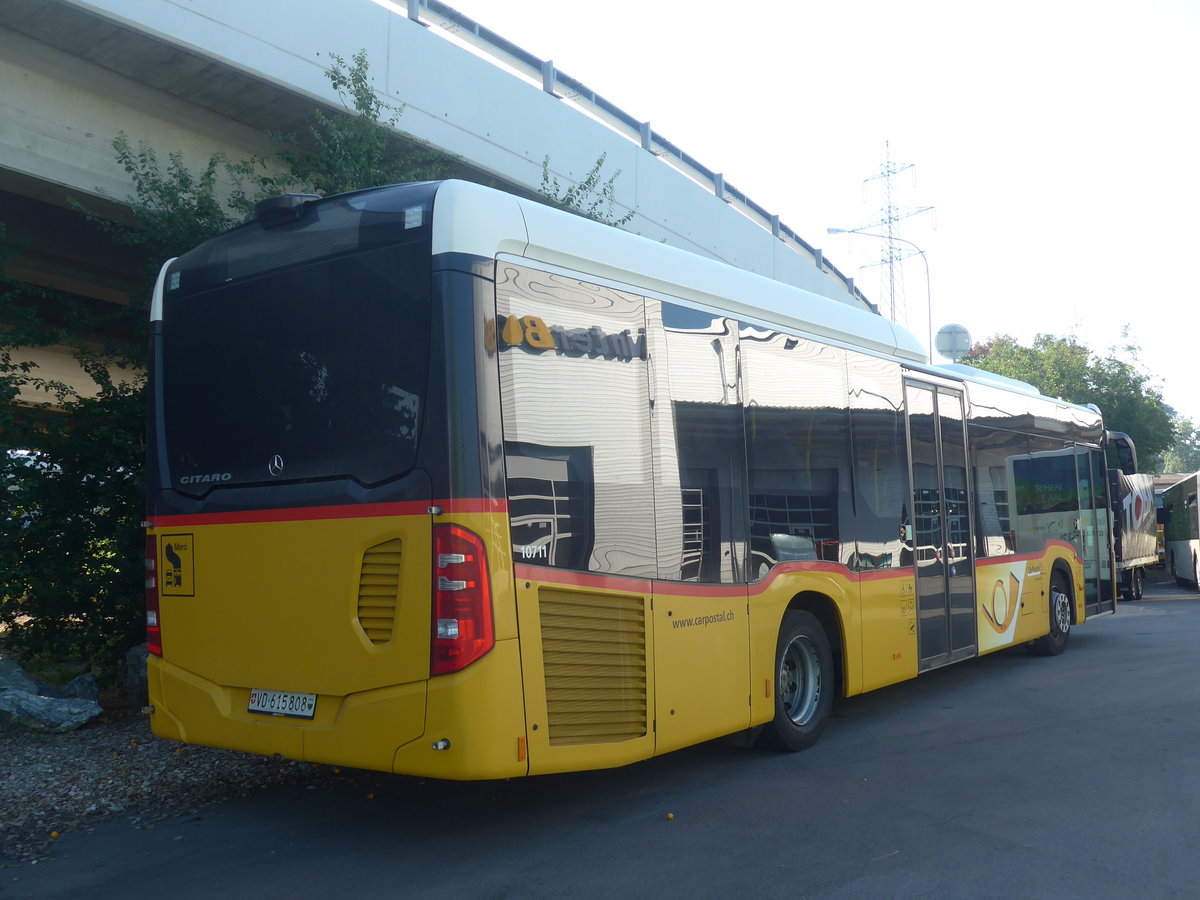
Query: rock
x=26, y=702
x=14, y=678
x=83, y=687
x=46, y=689
x=137, y=690
x=49, y=714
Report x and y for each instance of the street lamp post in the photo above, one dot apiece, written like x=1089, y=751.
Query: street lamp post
x=924, y=260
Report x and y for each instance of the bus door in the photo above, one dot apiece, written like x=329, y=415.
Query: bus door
x=940, y=531
x=1095, y=540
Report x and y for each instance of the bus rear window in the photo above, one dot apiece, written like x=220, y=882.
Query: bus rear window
x=311, y=372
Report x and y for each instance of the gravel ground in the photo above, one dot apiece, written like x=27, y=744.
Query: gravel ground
x=52, y=784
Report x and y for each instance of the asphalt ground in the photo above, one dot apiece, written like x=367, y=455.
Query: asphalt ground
x=1010, y=775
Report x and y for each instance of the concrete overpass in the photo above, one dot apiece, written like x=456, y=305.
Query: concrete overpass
x=213, y=76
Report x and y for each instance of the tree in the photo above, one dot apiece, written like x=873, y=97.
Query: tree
x=344, y=151
x=1064, y=368
x=1184, y=455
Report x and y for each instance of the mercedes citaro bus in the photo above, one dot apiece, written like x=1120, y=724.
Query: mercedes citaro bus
x=451, y=483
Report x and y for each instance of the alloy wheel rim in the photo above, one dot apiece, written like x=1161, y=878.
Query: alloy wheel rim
x=1062, y=611
x=800, y=680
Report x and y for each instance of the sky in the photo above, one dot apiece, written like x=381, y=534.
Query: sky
x=1057, y=142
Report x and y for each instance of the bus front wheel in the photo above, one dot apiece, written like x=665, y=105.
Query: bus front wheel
x=804, y=683
x=1055, y=642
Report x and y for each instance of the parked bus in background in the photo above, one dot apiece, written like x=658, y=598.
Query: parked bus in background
x=1182, y=531
x=450, y=483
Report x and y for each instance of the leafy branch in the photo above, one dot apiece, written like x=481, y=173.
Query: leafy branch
x=591, y=197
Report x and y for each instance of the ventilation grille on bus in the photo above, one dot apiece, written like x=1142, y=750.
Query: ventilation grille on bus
x=379, y=591
x=594, y=654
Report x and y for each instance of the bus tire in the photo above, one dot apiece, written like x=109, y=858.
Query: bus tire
x=1055, y=642
x=804, y=684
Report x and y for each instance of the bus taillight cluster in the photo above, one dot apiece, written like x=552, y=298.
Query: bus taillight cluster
x=462, y=601
x=153, y=629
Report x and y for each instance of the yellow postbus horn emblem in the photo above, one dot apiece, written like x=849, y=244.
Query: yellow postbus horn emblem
x=1003, y=607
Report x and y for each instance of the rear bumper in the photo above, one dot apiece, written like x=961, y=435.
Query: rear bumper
x=478, y=713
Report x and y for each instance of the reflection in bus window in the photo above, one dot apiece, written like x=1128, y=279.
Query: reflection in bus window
x=574, y=400
x=880, y=471
x=550, y=504
x=702, y=442
x=797, y=438
x=1045, y=484
x=991, y=450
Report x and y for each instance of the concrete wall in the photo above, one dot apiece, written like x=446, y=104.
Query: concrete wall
x=212, y=76
x=175, y=74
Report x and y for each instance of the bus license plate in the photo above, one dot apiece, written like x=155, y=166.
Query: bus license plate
x=283, y=703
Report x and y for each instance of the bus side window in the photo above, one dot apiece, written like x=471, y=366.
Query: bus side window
x=574, y=400
x=700, y=445
x=798, y=450
x=996, y=494
x=550, y=504
x=883, y=527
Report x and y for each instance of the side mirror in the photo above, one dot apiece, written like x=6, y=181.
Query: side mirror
x=1122, y=445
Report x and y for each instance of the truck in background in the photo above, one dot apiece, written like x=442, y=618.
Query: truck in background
x=1135, y=516
x=1135, y=529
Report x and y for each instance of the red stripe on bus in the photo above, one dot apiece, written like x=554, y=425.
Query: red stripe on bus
x=833, y=569
x=1029, y=557
x=318, y=513
x=547, y=575
x=582, y=579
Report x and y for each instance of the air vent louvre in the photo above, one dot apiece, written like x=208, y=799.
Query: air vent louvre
x=594, y=657
x=379, y=590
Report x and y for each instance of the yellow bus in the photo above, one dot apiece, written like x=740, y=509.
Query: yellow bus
x=450, y=483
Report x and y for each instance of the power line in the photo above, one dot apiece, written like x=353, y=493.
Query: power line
x=890, y=214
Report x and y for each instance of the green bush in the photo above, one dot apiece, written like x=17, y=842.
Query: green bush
x=73, y=548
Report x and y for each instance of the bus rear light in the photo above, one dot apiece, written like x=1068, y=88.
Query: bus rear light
x=445, y=584
x=153, y=630
x=462, y=601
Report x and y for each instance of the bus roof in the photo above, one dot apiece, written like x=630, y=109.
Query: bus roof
x=469, y=218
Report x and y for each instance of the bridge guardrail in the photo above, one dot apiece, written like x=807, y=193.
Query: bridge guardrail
x=533, y=69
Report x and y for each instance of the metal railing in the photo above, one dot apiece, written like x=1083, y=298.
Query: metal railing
x=564, y=87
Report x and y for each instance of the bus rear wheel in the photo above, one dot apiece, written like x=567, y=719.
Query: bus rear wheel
x=804, y=684
x=1055, y=642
